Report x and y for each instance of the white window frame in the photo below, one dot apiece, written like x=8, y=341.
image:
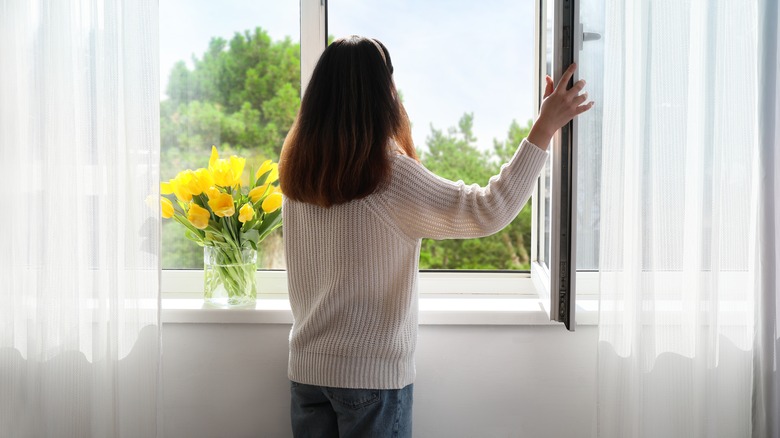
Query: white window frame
x=188, y=284
x=314, y=36
x=540, y=272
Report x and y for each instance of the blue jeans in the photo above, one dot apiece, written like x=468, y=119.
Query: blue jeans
x=321, y=411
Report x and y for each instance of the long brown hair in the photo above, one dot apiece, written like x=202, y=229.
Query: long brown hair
x=338, y=149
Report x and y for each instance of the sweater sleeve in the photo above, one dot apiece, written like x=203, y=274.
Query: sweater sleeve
x=424, y=205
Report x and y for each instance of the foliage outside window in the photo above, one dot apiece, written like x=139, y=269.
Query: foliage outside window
x=454, y=155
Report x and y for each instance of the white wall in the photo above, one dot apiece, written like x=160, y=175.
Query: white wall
x=230, y=380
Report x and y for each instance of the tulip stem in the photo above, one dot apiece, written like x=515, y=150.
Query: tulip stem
x=229, y=267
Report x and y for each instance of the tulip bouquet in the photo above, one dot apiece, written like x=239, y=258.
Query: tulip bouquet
x=226, y=218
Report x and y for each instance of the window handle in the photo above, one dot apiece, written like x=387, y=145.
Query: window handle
x=590, y=36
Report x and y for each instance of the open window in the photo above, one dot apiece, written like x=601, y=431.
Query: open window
x=569, y=31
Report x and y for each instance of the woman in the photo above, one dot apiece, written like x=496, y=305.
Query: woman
x=357, y=204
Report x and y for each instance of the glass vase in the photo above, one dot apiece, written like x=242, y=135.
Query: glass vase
x=229, y=277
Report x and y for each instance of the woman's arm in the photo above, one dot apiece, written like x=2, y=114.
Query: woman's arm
x=426, y=205
x=423, y=204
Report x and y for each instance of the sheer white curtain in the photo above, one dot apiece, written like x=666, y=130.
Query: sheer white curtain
x=766, y=350
x=680, y=208
x=79, y=258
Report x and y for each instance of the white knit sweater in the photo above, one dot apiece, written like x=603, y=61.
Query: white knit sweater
x=352, y=268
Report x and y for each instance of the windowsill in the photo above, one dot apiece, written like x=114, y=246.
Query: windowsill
x=434, y=310
x=446, y=298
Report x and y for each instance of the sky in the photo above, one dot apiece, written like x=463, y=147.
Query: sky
x=449, y=56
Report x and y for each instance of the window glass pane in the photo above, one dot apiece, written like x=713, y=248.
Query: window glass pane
x=588, y=146
x=546, y=189
x=546, y=177
x=465, y=71
x=230, y=77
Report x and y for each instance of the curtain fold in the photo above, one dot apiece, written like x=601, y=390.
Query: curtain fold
x=79, y=264
x=766, y=350
x=679, y=216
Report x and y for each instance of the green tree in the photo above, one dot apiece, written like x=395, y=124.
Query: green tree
x=241, y=95
x=516, y=236
x=454, y=155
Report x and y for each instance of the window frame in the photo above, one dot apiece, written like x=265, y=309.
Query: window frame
x=314, y=36
x=188, y=283
x=557, y=278
x=540, y=272
x=581, y=280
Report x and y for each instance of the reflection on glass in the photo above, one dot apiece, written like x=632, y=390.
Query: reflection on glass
x=230, y=78
x=465, y=71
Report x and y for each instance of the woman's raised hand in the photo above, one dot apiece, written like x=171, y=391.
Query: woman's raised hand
x=558, y=107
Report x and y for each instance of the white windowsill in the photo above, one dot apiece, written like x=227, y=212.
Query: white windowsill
x=446, y=298
x=437, y=310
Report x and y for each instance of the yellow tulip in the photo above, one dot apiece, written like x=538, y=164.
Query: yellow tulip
x=214, y=156
x=212, y=192
x=222, y=205
x=274, y=175
x=226, y=173
x=246, y=213
x=185, y=185
x=222, y=174
x=191, y=181
x=198, y=216
x=166, y=188
x=166, y=208
x=203, y=179
x=265, y=167
x=182, y=194
x=237, y=166
x=258, y=192
x=272, y=202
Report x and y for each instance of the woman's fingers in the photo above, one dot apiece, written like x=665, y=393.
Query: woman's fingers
x=549, y=86
x=580, y=99
x=566, y=76
x=560, y=105
x=582, y=108
x=578, y=86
